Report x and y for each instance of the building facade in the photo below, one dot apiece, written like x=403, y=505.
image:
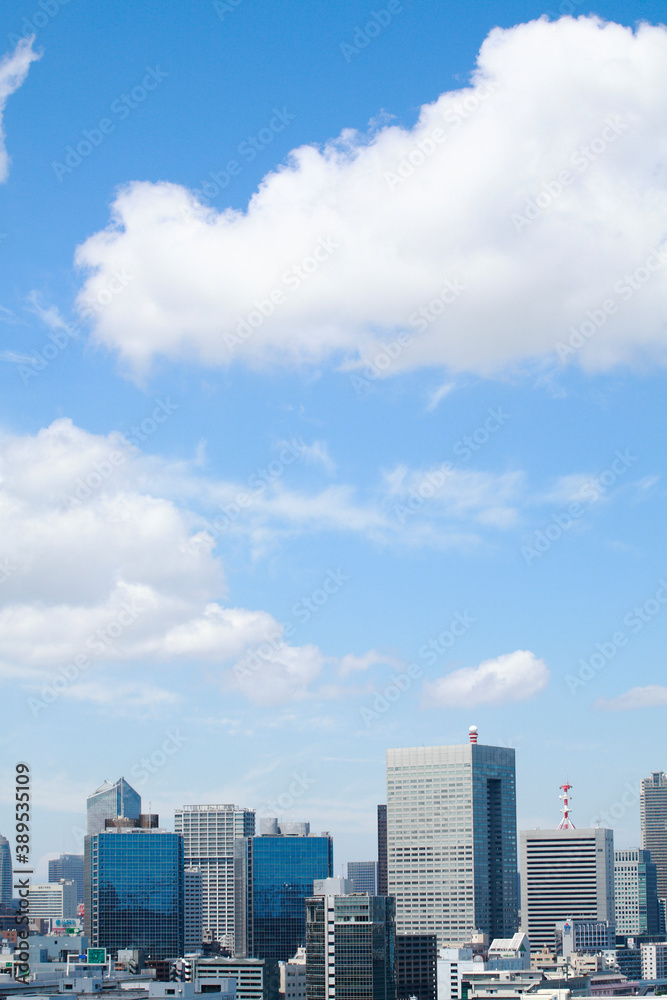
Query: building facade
x=364, y=876
x=451, y=841
x=636, y=893
x=111, y=801
x=134, y=891
x=68, y=866
x=416, y=966
x=193, y=929
x=209, y=833
x=6, y=876
x=566, y=875
x=53, y=900
x=653, y=820
x=275, y=874
x=382, y=850
x=350, y=947
x=654, y=961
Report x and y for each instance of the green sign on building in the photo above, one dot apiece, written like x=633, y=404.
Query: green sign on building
x=97, y=956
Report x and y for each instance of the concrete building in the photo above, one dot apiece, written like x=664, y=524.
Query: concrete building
x=416, y=966
x=68, y=866
x=653, y=820
x=52, y=899
x=292, y=984
x=364, y=875
x=565, y=874
x=654, y=961
x=636, y=893
x=382, y=850
x=350, y=947
x=583, y=937
x=248, y=973
x=6, y=877
x=193, y=933
x=451, y=840
x=209, y=833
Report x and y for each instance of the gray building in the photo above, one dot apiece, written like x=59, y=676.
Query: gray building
x=364, y=875
x=68, y=866
x=193, y=928
x=111, y=801
x=350, y=946
x=6, y=877
x=209, y=833
x=653, y=818
x=565, y=874
x=451, y=840
x=636, y=893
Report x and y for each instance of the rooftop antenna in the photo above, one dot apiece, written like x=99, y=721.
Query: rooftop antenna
x=472, y=733
x=566, y=823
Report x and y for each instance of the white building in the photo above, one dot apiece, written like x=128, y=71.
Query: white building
x=654, y=961
x=209, y=832
x=636, y=891
x=53, y=899
x=248, y=974
x=293, y=976
x=565, y=874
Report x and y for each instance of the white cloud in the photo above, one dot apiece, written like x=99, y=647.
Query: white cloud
x=13, y=71
x=651, y=696
x=576, y=95
x=514, y=676
x=351, y=664
x=437, y=395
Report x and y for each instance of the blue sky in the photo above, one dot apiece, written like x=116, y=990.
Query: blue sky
x=333, y=352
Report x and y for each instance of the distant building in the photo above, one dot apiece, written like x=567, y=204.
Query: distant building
x=247, y=972
x=350, y=947
x=364, y=875
x=110, y=801
x=636, y=891
x=193, y=912
x=134, y=891
x=382, y=850
x=653, y=820
x=416, y=966
x=292, y=984
x=68, y=866
x=53, y=900
x=583, y=937
x=451, y=840
x=565, y=874
x=654, y=961
x=209, y=833
x=6, y=876
x=275, y=874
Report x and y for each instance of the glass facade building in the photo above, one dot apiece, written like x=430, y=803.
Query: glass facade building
x=364, y=875
x=111, y=801
x=134, y=891
x=382, y=850
x=350, y=947
x=6, y=878
x=451, y=841
x=636, y=893
x=68, y=866
x=653, y=818
x=274, y=877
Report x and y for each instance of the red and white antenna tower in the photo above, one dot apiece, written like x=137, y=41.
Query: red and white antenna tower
x=566, y=823
x=472, y=733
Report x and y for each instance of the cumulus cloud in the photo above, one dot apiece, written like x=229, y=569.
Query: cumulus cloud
x=13, y=71
x=514, y=676
x=459, y=242
x=651, y=696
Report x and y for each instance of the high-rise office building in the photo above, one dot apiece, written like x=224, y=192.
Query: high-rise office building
x=416, y=966
x=111, y=801
x=6, y=877
x=350, y=946
x=382, y=850
x=653, y=819
x=193, y=932
x=134, y=890
x=68, y=866
x=565, y=874
x=364, y=876
x=636, y=893
x=53, y=900
x=275, y=874
x=209, y=833
x=451, y=840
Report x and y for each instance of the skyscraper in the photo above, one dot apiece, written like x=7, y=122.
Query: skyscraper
x=451, y=840
x=275, y=873
x=110, y=801
x=350, y=946
x=565, y=874
x=382, y=850
x=209, y=833
x=364, y=876
x=636, y=894
x=68, y=866
x=653, y=818
x=134, y=890
x=6, y=877
x=193, y=912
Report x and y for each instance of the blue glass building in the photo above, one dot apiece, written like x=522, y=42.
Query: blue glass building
x=274, y=877
x=134, y=891
x=6, y=877
x=110, y=801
